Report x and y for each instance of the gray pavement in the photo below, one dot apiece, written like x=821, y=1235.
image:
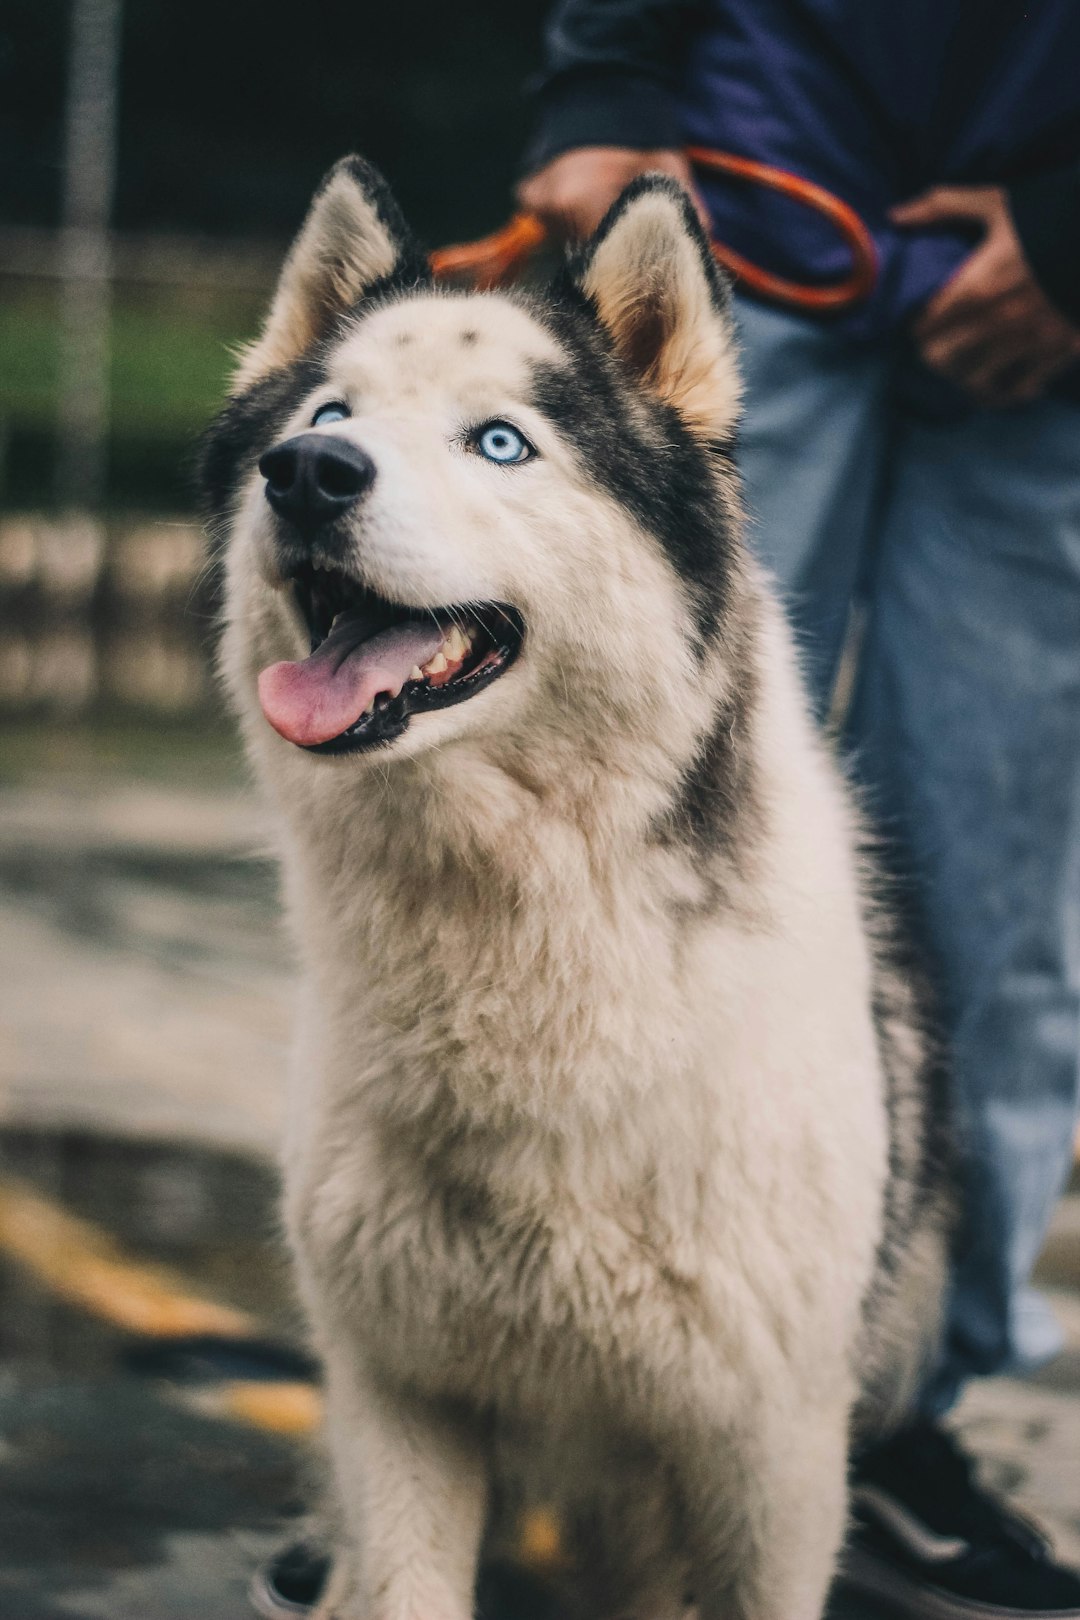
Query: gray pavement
x=144, y=1007
x=145, y=986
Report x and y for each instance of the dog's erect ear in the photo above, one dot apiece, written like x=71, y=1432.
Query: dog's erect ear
x=353, y=237
x=650, y=275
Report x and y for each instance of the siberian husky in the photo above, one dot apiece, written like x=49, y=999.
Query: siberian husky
x=610, y=1160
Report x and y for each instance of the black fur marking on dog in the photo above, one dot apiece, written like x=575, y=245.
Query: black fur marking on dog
x=717, y=810
x=247, y=425
x=640, y=451
x=682, y=491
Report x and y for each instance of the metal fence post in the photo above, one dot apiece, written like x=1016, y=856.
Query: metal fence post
x=85, y=253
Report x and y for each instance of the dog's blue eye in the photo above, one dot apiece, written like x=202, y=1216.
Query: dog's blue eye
x=334, y=412
x=498, y=441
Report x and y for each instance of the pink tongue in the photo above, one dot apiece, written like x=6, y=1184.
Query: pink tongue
x=320, y=697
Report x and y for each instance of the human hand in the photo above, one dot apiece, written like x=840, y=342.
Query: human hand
x=990, y=328
x=573, y=192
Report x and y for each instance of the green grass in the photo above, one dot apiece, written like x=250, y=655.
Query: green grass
x=169, y=362
x=202, y=751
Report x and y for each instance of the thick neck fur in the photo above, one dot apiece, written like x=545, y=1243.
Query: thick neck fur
x=512, y=930
x=475, y=894
x=497, y=922
x=512, y=960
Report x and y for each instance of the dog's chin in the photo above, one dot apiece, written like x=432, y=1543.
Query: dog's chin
x=391, y=662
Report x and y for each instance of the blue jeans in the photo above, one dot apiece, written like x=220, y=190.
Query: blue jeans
x=961, y=534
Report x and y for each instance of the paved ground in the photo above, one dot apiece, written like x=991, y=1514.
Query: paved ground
x=145, y=985
x=155, y=1405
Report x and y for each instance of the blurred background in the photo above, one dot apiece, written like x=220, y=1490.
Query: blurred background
x=154, y=161
x=156, y=1401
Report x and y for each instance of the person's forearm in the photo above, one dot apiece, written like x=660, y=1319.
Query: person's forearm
x=1046, y=213
x=611, y=68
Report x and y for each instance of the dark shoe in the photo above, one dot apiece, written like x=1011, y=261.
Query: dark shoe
x=929, y=1543
x=291, y=1582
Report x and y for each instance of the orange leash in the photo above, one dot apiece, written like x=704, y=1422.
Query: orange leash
x=494, y=259
x=501, y=257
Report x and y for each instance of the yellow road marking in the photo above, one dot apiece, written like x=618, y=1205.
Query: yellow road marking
x=292, y=1409
x=82, y=1264
x=539, y=1540
x=85, y=1266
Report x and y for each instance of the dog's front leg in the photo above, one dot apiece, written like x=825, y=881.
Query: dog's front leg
x=764, y=1544
x=412, y=1497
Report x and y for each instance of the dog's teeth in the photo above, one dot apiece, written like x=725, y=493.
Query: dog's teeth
x=416, y=673
x=454, y=645
x=436, y=665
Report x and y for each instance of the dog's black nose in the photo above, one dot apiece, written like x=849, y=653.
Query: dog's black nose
x=313, y=478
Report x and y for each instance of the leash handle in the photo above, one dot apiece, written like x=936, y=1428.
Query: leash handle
x=851, y=289
x=502, y=256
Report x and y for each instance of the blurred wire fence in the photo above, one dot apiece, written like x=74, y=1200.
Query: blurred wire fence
x=153, y=163
x=106, y=601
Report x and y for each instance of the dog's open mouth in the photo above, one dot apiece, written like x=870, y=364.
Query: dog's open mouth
x=374, y=664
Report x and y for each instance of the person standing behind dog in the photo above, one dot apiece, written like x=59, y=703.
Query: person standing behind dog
x=920, y=451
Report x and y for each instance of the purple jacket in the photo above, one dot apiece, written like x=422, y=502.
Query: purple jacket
x=875, y=99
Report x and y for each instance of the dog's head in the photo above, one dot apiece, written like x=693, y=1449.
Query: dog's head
x=452, y=513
